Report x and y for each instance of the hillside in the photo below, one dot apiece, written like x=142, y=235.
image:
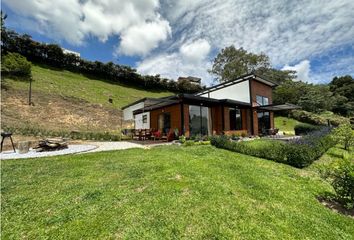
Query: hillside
x=66, y=101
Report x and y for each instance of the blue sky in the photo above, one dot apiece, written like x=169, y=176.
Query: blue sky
x=178, y=38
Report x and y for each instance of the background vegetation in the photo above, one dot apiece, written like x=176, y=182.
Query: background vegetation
x=53, y=55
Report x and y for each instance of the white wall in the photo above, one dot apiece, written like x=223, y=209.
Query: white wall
x=128, y=112
x=139, y=121
x=238, y=92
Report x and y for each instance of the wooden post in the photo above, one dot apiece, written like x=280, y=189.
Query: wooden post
x=30, y=92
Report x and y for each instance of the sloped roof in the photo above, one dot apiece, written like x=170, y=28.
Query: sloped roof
x=237, y=80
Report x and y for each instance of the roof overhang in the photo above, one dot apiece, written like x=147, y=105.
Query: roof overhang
x=279, y=107
x=192, y=100
x=238, y=80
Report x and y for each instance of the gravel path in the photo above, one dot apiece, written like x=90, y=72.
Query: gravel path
x=33, y=154
x=72, y=149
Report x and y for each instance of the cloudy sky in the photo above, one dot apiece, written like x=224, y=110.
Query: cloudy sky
x=178, y=38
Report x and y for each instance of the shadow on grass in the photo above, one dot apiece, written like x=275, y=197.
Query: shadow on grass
x=330, y=201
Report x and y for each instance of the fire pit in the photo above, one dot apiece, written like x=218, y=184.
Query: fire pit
x=51, y=144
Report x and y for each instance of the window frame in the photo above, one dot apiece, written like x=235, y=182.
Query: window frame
x=145, y=118
x=262, y=98
x=238, y=124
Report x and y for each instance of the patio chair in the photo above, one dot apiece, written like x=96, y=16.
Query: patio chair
x=148, y=133
x=156, y=135
x=170, y=136
x=142, y=134
x=136, y=134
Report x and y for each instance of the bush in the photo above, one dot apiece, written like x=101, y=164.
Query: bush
x=344, y=134
x=29, y=131
x=298, y=153
x=317, y=119
x=341, y=176
x=303, y=128
x=189, y=143
x=15, y=64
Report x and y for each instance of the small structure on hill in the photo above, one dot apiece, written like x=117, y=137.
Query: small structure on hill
x=192, y=80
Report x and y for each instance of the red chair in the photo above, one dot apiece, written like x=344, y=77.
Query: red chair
x=170, y=136
x=156, y=135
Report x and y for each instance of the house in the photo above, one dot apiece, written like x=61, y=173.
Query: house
x=67, y=51
x=243, y=105
x=192, y=80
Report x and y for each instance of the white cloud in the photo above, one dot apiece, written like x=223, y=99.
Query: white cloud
x=191, y=60
x=140, y=39
x=75, y=20
x=287, y=31
x=302, y=70
x=196, y=51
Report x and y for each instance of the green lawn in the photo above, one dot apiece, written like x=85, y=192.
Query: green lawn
x=76, y=85
x=166, y=192
x=285, y=124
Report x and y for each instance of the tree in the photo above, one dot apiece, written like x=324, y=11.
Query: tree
x=317, y=98
x=289, y=92
x=275, y=75
x=231, y=63
x=343, y=90
x=343, y=86
x=15, y=64
x=344, y=135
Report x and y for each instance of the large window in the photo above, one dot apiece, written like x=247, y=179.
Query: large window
x=261, y=100
x=263, y=122
x=235, y=119
x=199, y=120
x=164, y=122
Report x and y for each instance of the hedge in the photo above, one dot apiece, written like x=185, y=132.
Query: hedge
x=298, y=153
x=28, y=131
x=303, y=129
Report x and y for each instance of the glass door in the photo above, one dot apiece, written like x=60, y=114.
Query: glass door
x=263, y=122
x=199, y=120
x=164, y=122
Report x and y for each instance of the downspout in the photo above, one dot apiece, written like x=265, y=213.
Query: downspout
x=182, y=118
x=222, y=119
x=250, y=91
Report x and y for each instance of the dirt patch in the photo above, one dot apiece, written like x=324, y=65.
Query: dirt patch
x=336, y=206
x=56, y=113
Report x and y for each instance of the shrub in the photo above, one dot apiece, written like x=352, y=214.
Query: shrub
x=317, y=119
x=341, y=176
x=344, y=134
x=298, y=153
x=15, y=64
x=303, y=128
x=29, y=131
x=182, y=139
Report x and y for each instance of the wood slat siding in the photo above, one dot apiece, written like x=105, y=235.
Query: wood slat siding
x=218, y=114
x=261, y=89
x=174, y=110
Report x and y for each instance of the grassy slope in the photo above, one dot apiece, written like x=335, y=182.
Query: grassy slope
x=168, y=192
x=76, y=85
x=285, y=124
x=67, y=101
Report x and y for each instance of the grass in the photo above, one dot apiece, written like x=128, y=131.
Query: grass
x=286, y=125
x=169, y=192
x=93, y=90
x=66, y=101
